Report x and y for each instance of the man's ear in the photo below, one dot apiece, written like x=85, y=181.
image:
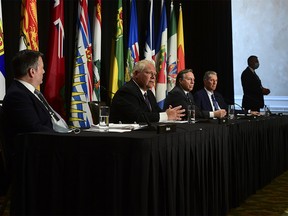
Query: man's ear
x=31, y=72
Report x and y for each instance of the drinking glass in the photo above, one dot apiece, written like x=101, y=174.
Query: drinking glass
x=231, y=111
x=104, y=118
x=191, y=114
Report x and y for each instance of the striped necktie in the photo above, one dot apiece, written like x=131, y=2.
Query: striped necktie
x=45, y=103
x=215, y=104
x=147, y=101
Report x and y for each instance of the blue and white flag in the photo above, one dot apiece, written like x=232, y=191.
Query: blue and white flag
x=82, y=84
x=149, y=51
x=133, y=46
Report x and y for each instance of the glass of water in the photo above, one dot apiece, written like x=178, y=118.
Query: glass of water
x=191, y=114
x=104, y=118
x=231, y=111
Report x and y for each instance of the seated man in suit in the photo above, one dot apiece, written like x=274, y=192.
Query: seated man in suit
x=207, y=98
x=135, y=102
x=181, y=95
x=23, y=110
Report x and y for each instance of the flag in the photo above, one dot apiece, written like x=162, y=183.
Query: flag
x=149, y=51
x=117, y=63
x=54, y=90
x=161, y=58
x=29, y=25
x=97, y=24
x=133, y=47
x=2, y=63
x=172, y=50
x=82, y=83
x=180, y=43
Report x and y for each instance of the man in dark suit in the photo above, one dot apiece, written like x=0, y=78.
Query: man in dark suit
x=23, y=111
x=253, y=98
x=181, y=95
x=207, y=98
x=135, y=102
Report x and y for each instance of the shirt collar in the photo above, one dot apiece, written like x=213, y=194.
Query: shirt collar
x=209, y=92
x=27, y=85
x=142, y=91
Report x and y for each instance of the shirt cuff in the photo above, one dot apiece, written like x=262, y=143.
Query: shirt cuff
x=163, y=117
x=211, y=114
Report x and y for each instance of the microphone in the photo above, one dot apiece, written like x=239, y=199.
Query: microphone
x=238, y=105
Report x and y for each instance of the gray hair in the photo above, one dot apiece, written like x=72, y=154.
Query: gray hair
x=141, y=65
x=208, y=74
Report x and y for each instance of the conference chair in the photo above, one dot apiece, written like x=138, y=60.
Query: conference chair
x=94, y=108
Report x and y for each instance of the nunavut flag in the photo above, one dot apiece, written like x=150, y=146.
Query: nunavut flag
x=82, y=83
x=55, y=75
x=29, y=25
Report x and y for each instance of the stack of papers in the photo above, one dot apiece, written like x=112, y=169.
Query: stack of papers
x=119, y=128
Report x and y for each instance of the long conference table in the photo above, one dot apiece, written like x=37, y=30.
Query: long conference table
x=201, y=169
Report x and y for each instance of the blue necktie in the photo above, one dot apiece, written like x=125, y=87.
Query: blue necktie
x=215, y=104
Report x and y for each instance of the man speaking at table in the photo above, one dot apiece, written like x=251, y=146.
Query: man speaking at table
x=135, y=102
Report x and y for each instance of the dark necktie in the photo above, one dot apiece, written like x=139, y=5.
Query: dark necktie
x=188, y=99
x=215, y=104
x=45, y=103
x=147, y=101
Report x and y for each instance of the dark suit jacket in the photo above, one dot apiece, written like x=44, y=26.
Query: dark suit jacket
x=203, y=102
x=23, y=112
x=252, y=88
x=177, y=97
x=128, y=105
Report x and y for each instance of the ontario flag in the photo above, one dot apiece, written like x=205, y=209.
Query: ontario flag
x=54, y=90
x=2, y=62
x=161, y=58
x=82, y=83
x=180, y=43
x=149, y=51
x=172, y=50
x=97, y=25
x=133, y=47
x=29, y=25
x=117, y=56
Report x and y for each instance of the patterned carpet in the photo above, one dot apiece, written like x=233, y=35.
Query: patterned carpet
x=272, y=200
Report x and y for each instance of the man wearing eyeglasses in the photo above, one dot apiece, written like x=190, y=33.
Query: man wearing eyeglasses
x=135, y=102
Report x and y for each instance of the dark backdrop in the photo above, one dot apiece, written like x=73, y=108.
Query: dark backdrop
x=207, y=35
